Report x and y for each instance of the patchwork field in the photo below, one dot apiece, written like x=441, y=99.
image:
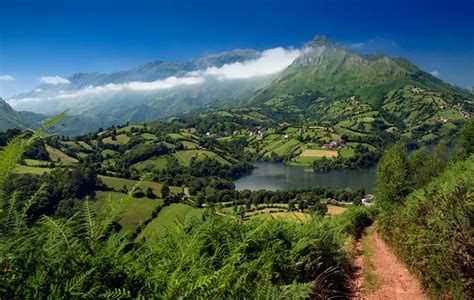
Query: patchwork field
x=133, y=210
x=334, y=210
x=318, y=153
x=184, y=157
x=57, y=155
x=156, y=163
x=121, y=139
x=30, y=170
x=170, y=218
x=294, y=216
x=119, y=183
x=36, y=163
x=279, y=211
x=106, y=153
x=149, y=136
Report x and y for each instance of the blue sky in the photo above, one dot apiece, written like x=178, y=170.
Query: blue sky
x=58, y=38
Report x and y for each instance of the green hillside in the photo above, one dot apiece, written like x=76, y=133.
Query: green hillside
x=329, y=84
x=10, y=118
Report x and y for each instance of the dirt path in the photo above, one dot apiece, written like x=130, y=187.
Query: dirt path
x=379, y=275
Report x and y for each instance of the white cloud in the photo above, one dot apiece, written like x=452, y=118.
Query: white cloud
x=270, y=62
x=434, y=73
x=6, y=78
x=357, y=45
x=15, y=102
x=53, y=80
x=38, y=90
x=167, y=83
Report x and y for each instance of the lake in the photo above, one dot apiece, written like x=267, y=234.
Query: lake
x=278, y=176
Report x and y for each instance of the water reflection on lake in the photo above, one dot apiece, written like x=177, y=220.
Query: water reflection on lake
x=278, y=176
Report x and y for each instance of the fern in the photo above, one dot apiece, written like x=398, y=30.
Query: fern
x=55, y=226
x=117, y=294
x=12, y=153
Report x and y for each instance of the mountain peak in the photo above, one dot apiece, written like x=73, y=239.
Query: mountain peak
x=321, y=40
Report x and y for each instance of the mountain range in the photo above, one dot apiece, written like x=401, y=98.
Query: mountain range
x=301, y=85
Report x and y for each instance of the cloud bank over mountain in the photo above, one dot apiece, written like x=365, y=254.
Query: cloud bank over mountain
x=169, y=82
x=54, y=80
x=269, y=62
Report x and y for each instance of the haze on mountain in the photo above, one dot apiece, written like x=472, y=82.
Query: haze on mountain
x=320, y=70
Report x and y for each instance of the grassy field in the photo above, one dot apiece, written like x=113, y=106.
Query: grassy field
x=149, y=136
x=184, y=157
x=129, y=128
x=30, y=170
x=82, y=154
x=334, y=210
x=189, y=145
x=122, y=139
x=308, y=156
x=170, y=218
x=288, y=147
x=118, y=183
x=133, y=210
x=293, y=216
x=347, y=153
x=36, y=163
x=57, y=155
x=176, y=136
x=72, y=145
x=109, y=153
x=318, y=153
x=156, y=163
x=302, y=161
x=85, y=145
x=281, y=212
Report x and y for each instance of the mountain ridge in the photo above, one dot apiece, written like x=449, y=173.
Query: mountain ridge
x=323, y=72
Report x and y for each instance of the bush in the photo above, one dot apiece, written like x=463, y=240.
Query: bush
x=226, y=258
x=432, y=232
x=137, y=193
x=355, y=219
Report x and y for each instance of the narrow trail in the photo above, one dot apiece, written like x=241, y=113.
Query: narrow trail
x=379, y=274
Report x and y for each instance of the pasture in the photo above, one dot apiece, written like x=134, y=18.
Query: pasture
x=36, y=163
x=289, y=216
x=133, y=210
x=118, y=183
x=155, y=163
x=334, y=210
x=57, y=155
x=184, y=157
x=30, y=170
x=170, y=218
x=318, y=153
x=121, y=139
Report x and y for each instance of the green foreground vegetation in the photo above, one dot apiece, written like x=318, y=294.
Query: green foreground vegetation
x=183, y=231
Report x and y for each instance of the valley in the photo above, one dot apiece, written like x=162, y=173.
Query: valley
x=324, y=170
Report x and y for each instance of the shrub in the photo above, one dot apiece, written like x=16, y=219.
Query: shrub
x=432, y=232
x=354, y=220
x=137, y=193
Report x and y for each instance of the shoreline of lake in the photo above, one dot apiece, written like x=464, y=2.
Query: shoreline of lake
x=278, y=176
